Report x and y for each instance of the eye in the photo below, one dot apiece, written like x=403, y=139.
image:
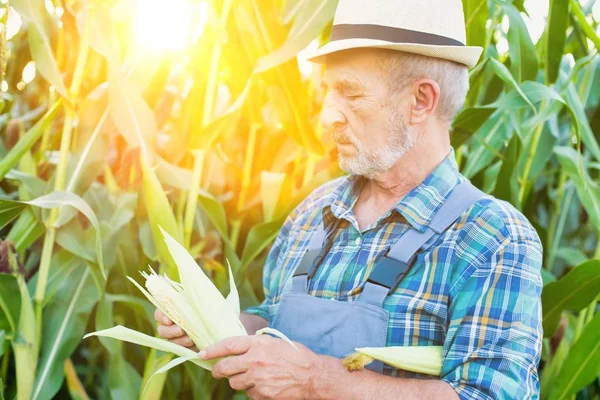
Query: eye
x=353, y=96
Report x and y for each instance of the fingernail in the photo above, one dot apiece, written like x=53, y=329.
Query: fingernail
x=202, y=354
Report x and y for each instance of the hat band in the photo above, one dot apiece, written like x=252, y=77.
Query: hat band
x=389, y=34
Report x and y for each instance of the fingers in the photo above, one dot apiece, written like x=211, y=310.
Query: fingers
x=170, y=331
x=162, y=318
x=230, y=367
x=232, y=346
x=184, y=341
x=240, y=382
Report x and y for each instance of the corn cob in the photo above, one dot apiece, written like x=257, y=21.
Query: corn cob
x=423, y=359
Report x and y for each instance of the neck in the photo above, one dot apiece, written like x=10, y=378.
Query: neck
x=387, y=188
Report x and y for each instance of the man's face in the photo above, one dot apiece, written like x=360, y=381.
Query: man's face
x=366, y=122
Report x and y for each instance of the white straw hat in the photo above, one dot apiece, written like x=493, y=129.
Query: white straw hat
x=434, y=28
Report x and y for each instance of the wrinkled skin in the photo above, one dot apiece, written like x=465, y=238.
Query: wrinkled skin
x=269, y=368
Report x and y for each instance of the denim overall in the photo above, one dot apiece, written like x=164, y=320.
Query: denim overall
x=336, y=328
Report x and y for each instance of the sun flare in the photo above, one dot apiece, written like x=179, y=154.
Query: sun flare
x=168, y=27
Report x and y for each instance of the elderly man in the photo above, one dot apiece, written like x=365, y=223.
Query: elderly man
x=403, y=251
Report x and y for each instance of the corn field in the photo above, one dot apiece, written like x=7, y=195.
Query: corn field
x=120, y=116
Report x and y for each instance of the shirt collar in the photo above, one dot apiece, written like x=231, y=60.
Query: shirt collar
x=418, y=206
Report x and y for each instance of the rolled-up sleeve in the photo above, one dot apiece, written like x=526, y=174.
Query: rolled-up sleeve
x=494, y=338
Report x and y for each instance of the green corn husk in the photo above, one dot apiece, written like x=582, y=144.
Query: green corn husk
x=423, y=359
x=195, y=305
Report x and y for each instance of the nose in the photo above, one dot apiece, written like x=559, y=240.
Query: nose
x=331, y=116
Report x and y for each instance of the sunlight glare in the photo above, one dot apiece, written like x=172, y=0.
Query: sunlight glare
x=537, y=20
x=159, y=26
x=28, y=73
x=305, y=66
x=13, y=24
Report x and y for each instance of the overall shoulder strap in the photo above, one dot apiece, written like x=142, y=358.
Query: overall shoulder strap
x=389, y=270
x=306, y=268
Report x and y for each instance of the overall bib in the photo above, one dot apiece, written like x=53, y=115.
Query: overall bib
x=336, y=328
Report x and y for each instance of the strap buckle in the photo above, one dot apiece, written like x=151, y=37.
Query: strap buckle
x=389, y=272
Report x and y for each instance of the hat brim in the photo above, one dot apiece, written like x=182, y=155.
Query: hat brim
x=467, y=55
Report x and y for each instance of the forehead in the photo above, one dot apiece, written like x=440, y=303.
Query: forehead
x=360, y=65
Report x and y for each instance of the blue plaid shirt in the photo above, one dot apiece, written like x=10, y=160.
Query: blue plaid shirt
x=475, y=291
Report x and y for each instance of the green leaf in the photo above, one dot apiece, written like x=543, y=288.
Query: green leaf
x=534, y=91
x=476, y=15
x=259, y=237
x=503, y=73
x=310, y=20
x=27, y=347
x=26, y=142
x=580, y=119
x=556, y=35
x=73, y=238
x=65, y=320
x=216, y=214
x=200, y=383
x=10, y=304
x=26, y=230
x=210, y=133
x=160, y=215
x=490, y=177
x=589, y=31
x=552, y=368
x=291, y=8
x=284, y=87
x=271, y=184
x=487, y=143
x=172, y=176
x=582, y=364
x=34, y=186
x=547, y=277
x=138, y=305
x=102, y=36
x=62, y=265
x=571, y=256
x=170, y=365
x=523, y=56
x=506, y=185
x=33, y=11
x=131, y=115
x=572, y=292
x=9, y=210
x=123, y=379
x=468, y=121
x=147, y=240
x=587, y=190
x=154, y=362
x=129, y=335
x=59, y=199
x=3, y=343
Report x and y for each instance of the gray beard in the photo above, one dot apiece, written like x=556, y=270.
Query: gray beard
x=371, y=162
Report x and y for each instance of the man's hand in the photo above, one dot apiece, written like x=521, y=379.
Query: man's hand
x=173, y=333
x=266, y=367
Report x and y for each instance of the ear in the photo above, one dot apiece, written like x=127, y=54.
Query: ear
x=426, y=96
